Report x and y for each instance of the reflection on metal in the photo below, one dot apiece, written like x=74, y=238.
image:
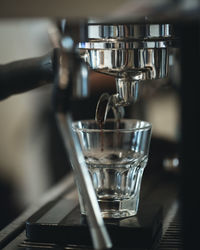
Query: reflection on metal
x=99, y=234
x=106, y=103
x=129, y=31
x=71, y=82
x=130, y=53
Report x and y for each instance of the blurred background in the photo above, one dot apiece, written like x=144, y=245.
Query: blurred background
x=32, y=157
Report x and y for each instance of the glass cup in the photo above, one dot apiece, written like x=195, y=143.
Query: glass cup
x=116, y=156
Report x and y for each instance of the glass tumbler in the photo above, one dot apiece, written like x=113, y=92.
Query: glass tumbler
x=116, y=156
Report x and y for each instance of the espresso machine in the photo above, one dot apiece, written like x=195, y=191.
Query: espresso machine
x=132, y=50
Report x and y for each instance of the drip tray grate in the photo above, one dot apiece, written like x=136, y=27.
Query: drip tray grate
x=172, y=239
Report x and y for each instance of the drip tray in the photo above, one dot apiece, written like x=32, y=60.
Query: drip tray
x=61, y=223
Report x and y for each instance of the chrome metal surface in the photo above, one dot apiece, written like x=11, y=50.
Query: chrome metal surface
x=99, y=234
x=150, y=63
x=80, y=81
x=121, y=50
x=127, y=90
x=71, y=68
x=129, y=31
x=130, y=52
x=71, y=81
x=102, y=108
x=105, y=103
x=124, y=44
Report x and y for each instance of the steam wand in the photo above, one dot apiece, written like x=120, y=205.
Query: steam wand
x=100, y=237
x=62, y=94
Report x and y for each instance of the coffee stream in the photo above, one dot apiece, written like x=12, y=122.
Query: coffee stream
x=105, y=103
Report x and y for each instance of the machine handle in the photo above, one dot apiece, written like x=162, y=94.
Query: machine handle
x=21, y=76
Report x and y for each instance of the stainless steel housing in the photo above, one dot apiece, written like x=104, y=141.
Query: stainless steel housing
x=122, y=63
x=129, y=31
x=128, y=51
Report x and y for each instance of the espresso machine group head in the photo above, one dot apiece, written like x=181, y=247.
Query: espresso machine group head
x=129, y=52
